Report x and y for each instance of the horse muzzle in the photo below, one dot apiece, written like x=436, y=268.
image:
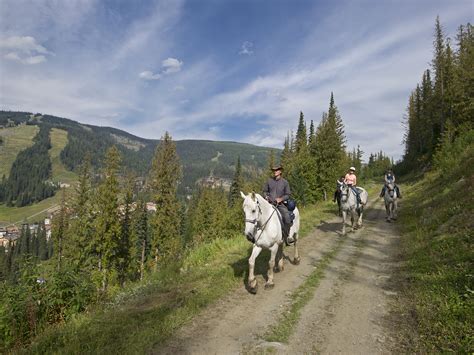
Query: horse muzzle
x=250, y=237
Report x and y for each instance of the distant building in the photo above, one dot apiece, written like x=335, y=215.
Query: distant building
x=215, y=182
x=151, y=206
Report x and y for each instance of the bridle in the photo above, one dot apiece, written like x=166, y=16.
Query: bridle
x=258, y=225
x=344, y=189
x=391, y=189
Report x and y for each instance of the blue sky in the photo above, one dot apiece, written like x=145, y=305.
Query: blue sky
x=237, y=70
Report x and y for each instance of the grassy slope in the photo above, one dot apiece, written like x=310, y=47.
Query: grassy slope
x=58, y=142
x=15, y=139
x=146, y=314
x=437, y=245
x=38, y=210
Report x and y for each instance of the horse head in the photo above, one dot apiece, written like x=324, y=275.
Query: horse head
x=344, y=191
x=252, y=212
x=391, y=189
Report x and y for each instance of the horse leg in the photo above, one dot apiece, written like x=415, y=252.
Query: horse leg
x=353, y=228
x=271, y=264
x=359, y=221
x=252, y=282
x=387, y=211
x=395, y=208
x=296, y=255
x=280, y=258
x=344, y=213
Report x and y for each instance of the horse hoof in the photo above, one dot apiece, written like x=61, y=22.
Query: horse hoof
x=297, y=261
x=269, y=286
x=276, y=269
x=252, y=290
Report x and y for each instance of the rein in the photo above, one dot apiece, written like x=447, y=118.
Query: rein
x=255, y=221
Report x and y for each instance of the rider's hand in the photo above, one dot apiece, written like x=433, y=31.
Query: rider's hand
x=279, y=200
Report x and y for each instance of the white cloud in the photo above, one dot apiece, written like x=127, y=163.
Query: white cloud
x=171, y=65
x=247, y=48
x=24, y=50
x=148, y=75
x=26, y=44
x=168, y=66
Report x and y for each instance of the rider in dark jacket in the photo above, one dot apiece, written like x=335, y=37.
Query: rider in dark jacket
x=389, y=177
x=277, y=190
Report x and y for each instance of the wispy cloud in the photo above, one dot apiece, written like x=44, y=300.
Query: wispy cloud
x=23, y=49
x=171, y=65
x=148, y=75
x=247, y=48
x=168, y=66
x=158, y=66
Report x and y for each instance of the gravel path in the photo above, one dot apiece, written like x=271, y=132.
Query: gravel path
x=347, y=313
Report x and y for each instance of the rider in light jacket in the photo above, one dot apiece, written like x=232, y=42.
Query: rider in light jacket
x=351, y=180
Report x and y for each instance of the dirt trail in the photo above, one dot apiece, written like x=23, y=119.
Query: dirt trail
x=346, y=314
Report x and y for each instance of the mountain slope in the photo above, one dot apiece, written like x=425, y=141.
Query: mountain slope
x=73, y=141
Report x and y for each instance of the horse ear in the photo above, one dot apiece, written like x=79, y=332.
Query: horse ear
x=253, y=196
x=243, y=195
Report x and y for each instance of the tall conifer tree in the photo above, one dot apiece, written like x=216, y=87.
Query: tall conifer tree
x=165, y=176
x=107, y=223
x=237, y=184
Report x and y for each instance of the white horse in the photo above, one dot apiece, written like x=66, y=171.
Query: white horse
x=349, y=205
x=263, y=229
x=391, y=204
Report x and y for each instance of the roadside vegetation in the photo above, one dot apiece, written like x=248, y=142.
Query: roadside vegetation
x=144, y=315
x=437, y=215
x=437, y=245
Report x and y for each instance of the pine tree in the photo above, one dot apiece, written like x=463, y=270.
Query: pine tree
x=464, y=77
x=301, y=141
x=107, y=223
x=208, y=218
x=42, y=243
x=124, y=244
x=164, y=179
x=286, y=155
x=312, y=139
x=60, y=229
x=82, y=226
x=330, y=158
x=237, y=185
x=438, y=64
x=141, y=238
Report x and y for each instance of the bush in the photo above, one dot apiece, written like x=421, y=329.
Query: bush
x=456, y=146
x=29, y=305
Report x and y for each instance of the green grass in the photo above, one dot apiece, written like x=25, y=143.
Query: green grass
x=32, y=213
x=15, y=139
x=37, y=211
x=58, y=142
x=437, y=246
x=144, y=315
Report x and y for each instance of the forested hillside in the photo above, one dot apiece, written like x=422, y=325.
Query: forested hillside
x=199, y=158
x=436, y=219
